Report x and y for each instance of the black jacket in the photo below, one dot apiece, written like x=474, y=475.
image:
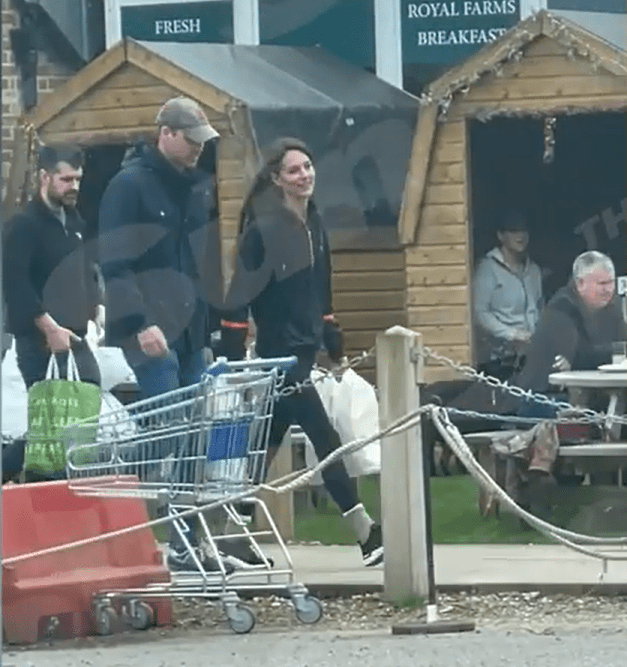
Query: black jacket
x=159, y=251
x=568, y=328
x=283, y=274
x=47, y=268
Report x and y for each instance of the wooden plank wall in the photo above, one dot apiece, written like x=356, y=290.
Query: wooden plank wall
x=545, y=79
x=438, y=270
x=125, y=102
x=231, y=191
x=368, y=297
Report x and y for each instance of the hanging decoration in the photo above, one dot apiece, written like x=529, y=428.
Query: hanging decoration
x=510, y=48
x=549, y=139
x=32, y=146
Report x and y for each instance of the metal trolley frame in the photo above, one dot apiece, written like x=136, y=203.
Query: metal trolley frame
x=200, y=445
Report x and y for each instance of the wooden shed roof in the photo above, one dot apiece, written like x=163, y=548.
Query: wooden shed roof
x=510, y=46
x=441, y=93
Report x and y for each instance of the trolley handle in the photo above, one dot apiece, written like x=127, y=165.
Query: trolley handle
x=222, y=365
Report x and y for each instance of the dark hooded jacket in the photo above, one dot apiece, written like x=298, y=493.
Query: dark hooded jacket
x=568, y=328
x=159, y=251
x=283, y=274
x=48, y=269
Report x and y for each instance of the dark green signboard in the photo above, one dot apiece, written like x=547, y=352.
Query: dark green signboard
x=343, y=27
x=449, y=31
x=180, y=22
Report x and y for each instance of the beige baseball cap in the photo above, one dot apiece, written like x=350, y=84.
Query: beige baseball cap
x=183, y=113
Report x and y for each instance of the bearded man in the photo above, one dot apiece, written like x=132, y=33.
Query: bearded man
x=50, y=283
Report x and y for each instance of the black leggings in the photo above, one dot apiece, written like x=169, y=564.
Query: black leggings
x=306, y=409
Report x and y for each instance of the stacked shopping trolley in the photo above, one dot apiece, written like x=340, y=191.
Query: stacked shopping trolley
x=199, y=446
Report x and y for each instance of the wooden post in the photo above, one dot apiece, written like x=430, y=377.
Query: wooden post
x=281, y=507
x=399, y=370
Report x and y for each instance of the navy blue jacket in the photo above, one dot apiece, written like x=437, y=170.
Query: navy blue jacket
x=283, y=274
x=159, y=251
x=47, y=268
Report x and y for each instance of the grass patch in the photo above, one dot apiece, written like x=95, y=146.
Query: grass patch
x=410, y=602
x=455, y=517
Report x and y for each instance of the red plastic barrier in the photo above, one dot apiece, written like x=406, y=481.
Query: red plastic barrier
x=62, y=585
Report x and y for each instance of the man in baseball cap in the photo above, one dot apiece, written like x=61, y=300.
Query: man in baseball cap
x=159, y=239
x=182, y=113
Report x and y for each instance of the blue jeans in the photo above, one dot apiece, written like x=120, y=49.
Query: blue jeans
x=536, y=410
x=182, y=367
x=156, y=376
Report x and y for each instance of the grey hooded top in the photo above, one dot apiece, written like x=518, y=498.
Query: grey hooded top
x=504, y=301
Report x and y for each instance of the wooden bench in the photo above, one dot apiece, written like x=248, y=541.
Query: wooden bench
x=594, y=457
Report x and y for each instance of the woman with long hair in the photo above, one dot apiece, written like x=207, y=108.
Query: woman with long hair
x=283, y=278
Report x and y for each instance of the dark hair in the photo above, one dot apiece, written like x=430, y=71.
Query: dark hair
x=263, y=193
x=50, y=156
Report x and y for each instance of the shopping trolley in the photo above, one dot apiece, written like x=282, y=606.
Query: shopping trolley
x=205, y=444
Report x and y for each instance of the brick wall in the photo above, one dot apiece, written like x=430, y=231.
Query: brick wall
x=49, y=75
x=10, y=92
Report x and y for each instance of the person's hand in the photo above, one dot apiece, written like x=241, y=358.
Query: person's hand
x=60, y=339
x=152, y=342
x=333, y=341
x=57, y=338
x=561, y=363
x=521, y=335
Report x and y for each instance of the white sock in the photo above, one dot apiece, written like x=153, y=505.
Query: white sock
x=359, y=521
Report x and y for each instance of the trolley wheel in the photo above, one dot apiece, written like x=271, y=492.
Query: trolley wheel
x=308, y=609
x=241, y=619
x=143, y=616
x=106, y=619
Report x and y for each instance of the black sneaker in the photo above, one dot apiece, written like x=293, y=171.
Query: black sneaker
x=372, y=548
x=183, y=562
x=239, y=553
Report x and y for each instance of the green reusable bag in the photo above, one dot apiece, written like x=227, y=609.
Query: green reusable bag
x=53, y=405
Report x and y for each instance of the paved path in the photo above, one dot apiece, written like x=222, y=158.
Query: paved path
x=487, y=567
x=329, y=649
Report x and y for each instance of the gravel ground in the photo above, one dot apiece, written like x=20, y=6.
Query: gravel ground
x=510, y=612
x=529, y=611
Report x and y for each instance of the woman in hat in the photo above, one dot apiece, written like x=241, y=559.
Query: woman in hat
x=507, y=299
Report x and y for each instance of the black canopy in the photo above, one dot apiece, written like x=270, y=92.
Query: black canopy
x=359, y=127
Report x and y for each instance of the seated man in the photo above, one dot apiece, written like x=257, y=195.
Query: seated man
x=577, y=328
x=507, y=299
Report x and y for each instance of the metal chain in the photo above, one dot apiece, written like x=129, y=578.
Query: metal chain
x=352, y=363
x=580, y=415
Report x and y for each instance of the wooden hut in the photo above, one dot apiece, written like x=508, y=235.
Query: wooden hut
x=251, y=95
x=553, y=92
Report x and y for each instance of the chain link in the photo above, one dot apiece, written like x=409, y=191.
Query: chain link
x=566, y=412
x=580, y=415
x=352, y=363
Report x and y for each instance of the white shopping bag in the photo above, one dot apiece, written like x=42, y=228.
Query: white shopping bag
x=353, y=410
x=14, y=397
x=115, y=423
x=114, y=369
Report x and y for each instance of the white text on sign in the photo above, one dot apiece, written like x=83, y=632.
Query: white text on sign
x=177, y=26
x=424, y=10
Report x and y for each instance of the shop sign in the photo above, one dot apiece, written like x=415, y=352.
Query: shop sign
x=180, y=22
x=447, y=32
